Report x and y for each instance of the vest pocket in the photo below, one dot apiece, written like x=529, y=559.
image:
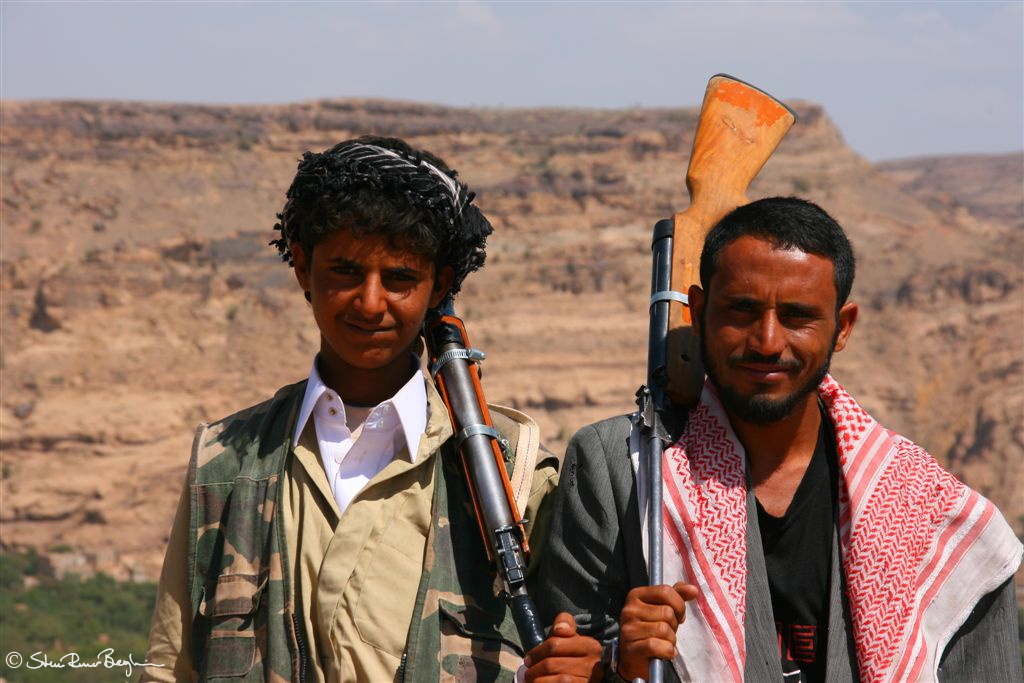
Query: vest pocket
x=473, y=647
x=229, y=606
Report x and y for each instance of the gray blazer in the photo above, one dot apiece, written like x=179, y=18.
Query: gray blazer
x=594, y=556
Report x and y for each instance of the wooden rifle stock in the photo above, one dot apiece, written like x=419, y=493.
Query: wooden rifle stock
x=739, y=128
x=452, y=364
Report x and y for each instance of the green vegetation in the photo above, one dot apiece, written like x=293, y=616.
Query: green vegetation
x=72, y=615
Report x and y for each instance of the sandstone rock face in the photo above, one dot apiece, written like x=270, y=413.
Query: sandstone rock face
x=140, y=296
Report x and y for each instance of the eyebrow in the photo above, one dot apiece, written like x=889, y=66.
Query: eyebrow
x=402, y=270
x=798, y=308
x=784, y=307
x=740, y=299
x=395, y=270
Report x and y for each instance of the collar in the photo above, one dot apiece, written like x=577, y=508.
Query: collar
x=409, y=404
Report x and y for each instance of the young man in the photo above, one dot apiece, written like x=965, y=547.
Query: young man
x=327, y=533
x=804, y=541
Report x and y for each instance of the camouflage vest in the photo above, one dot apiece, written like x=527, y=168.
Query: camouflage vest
x=245, y=627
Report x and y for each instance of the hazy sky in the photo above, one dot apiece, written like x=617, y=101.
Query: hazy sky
x=900, y=78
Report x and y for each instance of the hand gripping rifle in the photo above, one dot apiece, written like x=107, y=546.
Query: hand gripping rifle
x=739, y=128
x=452, y=362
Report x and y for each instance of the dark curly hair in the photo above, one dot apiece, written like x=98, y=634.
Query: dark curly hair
x=381, y=185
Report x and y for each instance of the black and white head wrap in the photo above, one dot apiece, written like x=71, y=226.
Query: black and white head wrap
x=411, y=171
x=457, y=229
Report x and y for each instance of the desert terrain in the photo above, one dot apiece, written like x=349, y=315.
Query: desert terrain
x=140, y=296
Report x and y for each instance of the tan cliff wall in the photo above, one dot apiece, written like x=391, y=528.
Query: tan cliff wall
x=139, y=295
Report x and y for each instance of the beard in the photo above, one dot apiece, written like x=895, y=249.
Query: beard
x=762, y=410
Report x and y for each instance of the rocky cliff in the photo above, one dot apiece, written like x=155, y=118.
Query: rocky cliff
x=140, y=296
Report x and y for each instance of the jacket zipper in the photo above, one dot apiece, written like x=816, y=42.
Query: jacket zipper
x=401, y=668
x=301, y=645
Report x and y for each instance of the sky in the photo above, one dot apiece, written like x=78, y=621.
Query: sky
x=899, y=78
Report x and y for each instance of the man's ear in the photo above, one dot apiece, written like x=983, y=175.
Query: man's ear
x=442, y=285
x=696, y=297
x=847, y=319
x=300, y=264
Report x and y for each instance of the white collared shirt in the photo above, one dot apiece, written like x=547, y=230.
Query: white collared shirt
x=352, y=460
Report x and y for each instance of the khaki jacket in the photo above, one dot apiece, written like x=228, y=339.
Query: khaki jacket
x=264, y=580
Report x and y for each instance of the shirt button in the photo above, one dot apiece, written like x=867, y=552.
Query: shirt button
x=329, y=397
x=332, y=411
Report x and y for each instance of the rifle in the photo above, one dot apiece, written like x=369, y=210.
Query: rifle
x=476, y=439
x=739, y=128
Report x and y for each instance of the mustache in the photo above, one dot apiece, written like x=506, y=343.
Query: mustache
x=754, y=357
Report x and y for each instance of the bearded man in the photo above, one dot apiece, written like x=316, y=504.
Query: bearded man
x=810, y=543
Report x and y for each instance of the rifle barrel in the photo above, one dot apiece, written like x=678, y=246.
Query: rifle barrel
x=652, y=400
x=485, y=471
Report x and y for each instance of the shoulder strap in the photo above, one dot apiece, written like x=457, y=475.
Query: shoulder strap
x=524, y=437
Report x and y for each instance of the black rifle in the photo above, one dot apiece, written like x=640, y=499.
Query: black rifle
x=453, y=366
x=652, y=402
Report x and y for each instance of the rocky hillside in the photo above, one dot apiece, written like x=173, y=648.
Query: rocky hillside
x=139, y=295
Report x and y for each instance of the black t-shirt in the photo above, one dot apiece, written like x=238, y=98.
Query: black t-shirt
x=797, y=555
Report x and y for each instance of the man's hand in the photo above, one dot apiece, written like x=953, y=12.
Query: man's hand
x=565, y=655
x=647, y=626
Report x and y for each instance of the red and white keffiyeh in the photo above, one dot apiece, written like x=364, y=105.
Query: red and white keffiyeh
x=919, y=548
